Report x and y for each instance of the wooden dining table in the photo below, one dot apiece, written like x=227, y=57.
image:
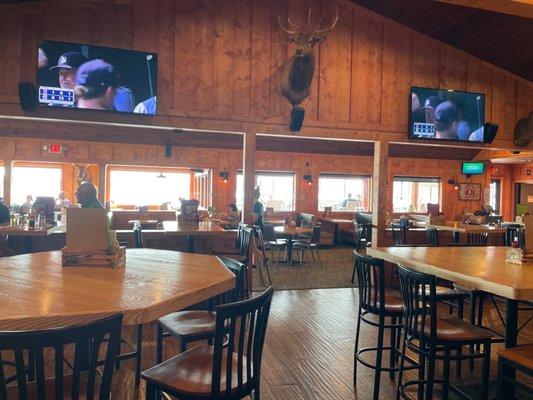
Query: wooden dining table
x=290, y=233
x=458, y=227
x=192, y=229
x=36, y=292
x=28, y=234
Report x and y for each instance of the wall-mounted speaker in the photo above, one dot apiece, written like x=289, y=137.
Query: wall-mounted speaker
x=297, y=118
x=168, y=149
x=489, y=132
x=27, y=96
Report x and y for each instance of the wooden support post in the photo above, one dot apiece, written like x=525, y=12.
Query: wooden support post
x=102, y=178
x=248, y=162
x=379, y=193
x=8, y=172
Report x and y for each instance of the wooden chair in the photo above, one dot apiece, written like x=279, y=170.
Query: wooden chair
x=261, y=251
x=477, y=238
x=362, y=233
x=399, y=235
x=272, y=242
x=230, y=369
x=433, y=337
x=375, y=300
x=193, y=325
x=432, y=236
x=518, y=358
x=85, y=340
x=310, y=245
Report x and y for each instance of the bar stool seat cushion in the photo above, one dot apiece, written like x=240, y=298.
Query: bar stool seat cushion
x=451, y=328
x=187, y=323
x=190, y=373
x=521, y=355
x=393, y=302
x=49, y=388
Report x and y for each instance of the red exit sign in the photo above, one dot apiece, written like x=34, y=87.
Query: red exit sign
x=54, y=148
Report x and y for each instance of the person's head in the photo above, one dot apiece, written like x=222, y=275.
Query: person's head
x=86, y=192
x=447, y=118
x=67, y=65
x=96, y=83
x=233, y=207
x=257, y=193
x=29, y=198
x=430, y=105
x=349, y=195
x=62, y=196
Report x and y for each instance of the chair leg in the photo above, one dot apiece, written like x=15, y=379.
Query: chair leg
x=379, y=354
x=151, y=391
x=257, y=395
x=319, y=259
x=473, y=322
x=400, y=373
x=159, y=344
x=431, y=371
x=421, y=370
x=485, y=371
x=446, y=374
x=268, y=272
x=353, y=274
x=398, y=339
x=139, y=347
x=357, y=330
x=392, y=357
x=501, y=368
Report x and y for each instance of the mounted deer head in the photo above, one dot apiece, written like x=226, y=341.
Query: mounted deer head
x=298, y=70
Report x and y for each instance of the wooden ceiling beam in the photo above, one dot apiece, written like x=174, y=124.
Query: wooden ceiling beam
x=520, y=8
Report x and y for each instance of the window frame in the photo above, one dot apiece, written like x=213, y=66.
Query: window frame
x=272, y=173
x=345, y=176
x=417, y=179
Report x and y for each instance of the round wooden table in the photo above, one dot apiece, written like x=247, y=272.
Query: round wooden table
x=36, y=292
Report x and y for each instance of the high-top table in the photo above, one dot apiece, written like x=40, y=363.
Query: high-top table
x=36, y=292
x=192, y=229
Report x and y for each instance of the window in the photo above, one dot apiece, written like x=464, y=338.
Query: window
x=344, y=192
x=277, y=190
x=142, y=188
x=495, y=185
x=411, y=194
x=34, y=181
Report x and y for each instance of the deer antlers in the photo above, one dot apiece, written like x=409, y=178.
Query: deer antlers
x=293, y=29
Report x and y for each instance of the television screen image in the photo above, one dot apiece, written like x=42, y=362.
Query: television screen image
x=446, y=115
x=473, y=168
x=82, y=76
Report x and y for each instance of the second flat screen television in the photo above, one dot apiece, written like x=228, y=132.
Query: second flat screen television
x=446, y=115
x=83, y=76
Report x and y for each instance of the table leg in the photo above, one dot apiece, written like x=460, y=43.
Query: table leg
x=289, y=251
x=190, y=243
x=511, y=339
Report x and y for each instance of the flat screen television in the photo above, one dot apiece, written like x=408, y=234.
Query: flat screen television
x=473, y=168
x=80, y=76
x=441, y=114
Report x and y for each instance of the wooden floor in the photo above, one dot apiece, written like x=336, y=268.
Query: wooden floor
x=308, y=351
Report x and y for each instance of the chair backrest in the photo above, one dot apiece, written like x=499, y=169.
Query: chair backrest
x=432, y=236
x=399, y=234
x=238, y=241
x=477, y=238
x=239, y=291
x=138, y=235
x=245, y=245
x=269, y=233
x=258, y=235
x=315, y=234
x=371, y=282
x=419, y=295
x=86, y=341
x=356, y=236
x=243, y=326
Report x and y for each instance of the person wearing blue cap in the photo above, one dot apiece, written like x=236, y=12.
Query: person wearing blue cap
x=67, y=66
x=96, y=85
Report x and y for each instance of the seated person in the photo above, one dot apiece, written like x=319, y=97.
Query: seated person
x=62, y=201
x=230, y=219
x=86, y=195
x=25, y=208
x=4, y=212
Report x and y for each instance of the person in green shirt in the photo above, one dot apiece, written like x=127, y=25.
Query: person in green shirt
x=86, y=196
x=4, y=212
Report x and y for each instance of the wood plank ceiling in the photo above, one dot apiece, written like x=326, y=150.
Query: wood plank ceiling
x=501, y=39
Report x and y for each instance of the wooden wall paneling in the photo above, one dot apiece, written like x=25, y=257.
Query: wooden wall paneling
x=32, y=32
x=396, y=80
x=249, y=168
x=260, y=58
x=524, y=100
x=242, y=51
x=366, y=68
x=123, y=25
x=335, y=66
x=54, y=26
x=10, y=46
x=479, y=79
x=380, y=192
x=279, y=53
x=426, y=63
x=80, y=23
x=8, y=171
x=165, y=23
x=144, y=29
x=103, y=24
x=452, y=72
x=504, y=105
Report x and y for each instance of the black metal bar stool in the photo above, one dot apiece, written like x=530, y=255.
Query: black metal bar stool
x=375, y=300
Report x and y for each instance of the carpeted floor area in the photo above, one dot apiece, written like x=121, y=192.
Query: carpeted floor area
x=335, y=273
